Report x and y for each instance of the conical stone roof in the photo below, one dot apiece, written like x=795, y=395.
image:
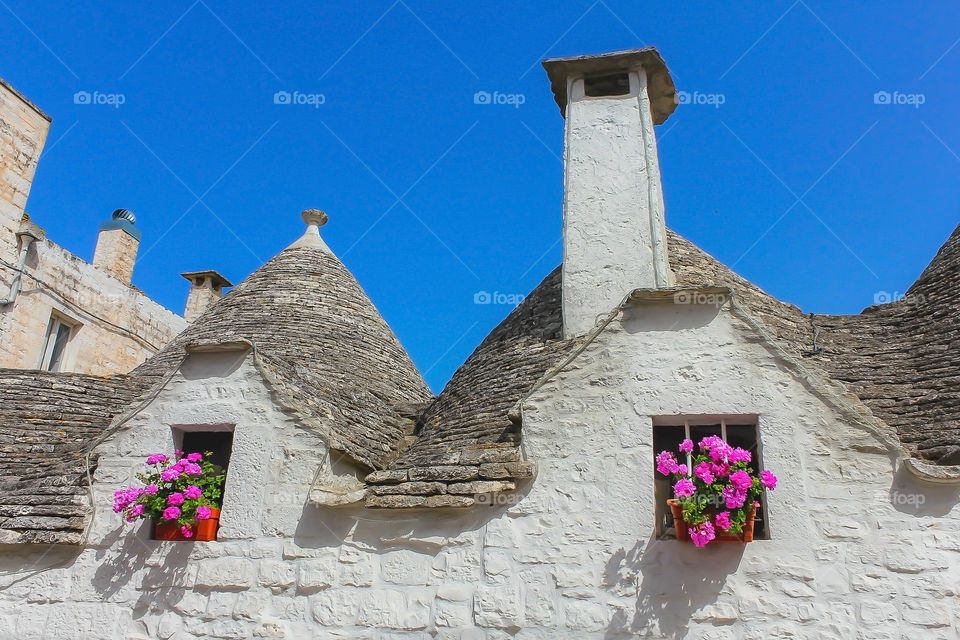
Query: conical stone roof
x=323, y=339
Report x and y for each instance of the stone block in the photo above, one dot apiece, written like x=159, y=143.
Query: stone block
x=277, y=575
x=498, y=607
x=437, y=502
x=444, y=473
x=874, y=613
x=391, y=609
x=409, y=488
x=388, y=477
x=335, y=607
x=316, y=574
x=226, y=574
x=480, y=486
x=405, y=567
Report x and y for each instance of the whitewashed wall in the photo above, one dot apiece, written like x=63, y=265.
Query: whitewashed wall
x=852, y=555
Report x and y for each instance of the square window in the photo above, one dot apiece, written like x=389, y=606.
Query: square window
x=670, y=431
x=60, y=332
x=215, y=439
x=612, y=84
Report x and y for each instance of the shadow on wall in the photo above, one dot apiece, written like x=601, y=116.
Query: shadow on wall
x=129, y=555
x=667, y=316
x=383, y=529
x=915, y=497
x=677, y=579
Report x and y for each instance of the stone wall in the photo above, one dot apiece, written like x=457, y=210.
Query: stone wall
x=118, y=325
x=23, y=131
x=857, y=550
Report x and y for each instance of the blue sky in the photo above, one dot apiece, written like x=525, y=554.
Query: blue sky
x=803, y=179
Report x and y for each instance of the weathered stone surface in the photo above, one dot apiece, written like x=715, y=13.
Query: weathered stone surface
x=448, y=501
x=481, y=486
x=507, y=470
x=445, y=473
x=316, y=574
x=395, y=502
x=226, y=574
x=390, y=477
x=410, y=488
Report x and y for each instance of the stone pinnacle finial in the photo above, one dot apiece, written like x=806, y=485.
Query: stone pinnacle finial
x=314, y=217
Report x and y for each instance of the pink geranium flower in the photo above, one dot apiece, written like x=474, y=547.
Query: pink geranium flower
x=170, y=474
x=684, y=488
x=151, y=489
x=175, y=499
x=171, y=513
x=702, y=471
x=192, y=469
x=192, y=491
x=666, y=463
x=686, y=446
x=203, y=513
x=734, y=498
x=739, y=455
x=723, y=520
x=194, y=457
x=702, y=533
x=741, y=480
x=186, y=532
x=156, y=458
x=768, y=480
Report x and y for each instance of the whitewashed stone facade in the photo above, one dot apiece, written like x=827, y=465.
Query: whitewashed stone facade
x=858, y=545
x=571, y=555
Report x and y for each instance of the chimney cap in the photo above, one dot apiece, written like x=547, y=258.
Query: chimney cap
x=217, y=280
x=124, y=214
x=660, y=87
x=314, y=217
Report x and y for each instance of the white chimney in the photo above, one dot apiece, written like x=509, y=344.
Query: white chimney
x=614, y=234
x=206, y=287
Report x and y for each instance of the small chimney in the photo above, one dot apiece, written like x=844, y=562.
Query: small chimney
x=117, y=246
x=206, y=287
x=614, y=234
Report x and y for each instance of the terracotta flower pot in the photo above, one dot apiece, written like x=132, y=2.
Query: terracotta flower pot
x=203, y=530
x=723, y=535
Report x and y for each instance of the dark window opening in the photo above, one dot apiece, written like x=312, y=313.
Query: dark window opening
x=219, y=444
x=669, y=436
x=614, y=84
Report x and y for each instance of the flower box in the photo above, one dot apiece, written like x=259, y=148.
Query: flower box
x=724, y=535
x=715, y=493
x=202, y=530
x=181, y=496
